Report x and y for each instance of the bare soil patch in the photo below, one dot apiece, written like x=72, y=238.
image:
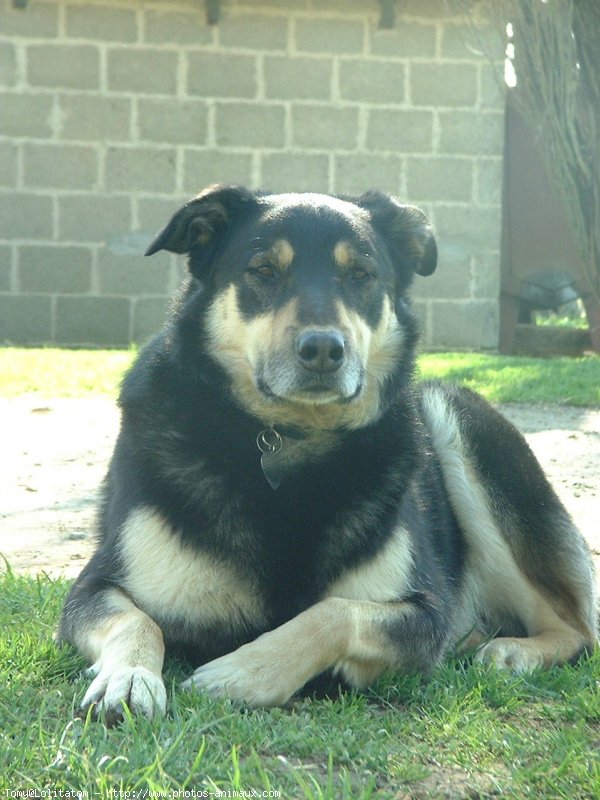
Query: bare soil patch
x=55, y=453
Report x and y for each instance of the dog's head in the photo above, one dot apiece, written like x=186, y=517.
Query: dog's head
x=304, y=294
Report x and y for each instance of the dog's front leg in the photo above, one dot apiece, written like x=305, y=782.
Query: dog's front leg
x=358, y=639
x=127, y=649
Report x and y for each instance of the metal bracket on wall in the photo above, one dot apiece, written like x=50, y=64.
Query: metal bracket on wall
x=213, y=11
x=387, y=18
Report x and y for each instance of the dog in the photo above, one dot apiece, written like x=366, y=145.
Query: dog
x=286, y=506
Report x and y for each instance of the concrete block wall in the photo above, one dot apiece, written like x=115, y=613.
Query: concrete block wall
x=113, y=112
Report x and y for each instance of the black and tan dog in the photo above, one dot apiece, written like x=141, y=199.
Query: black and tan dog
x=284, y=502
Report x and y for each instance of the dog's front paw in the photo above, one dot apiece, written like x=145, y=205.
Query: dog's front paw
x=248, y=676
x=517, y=655
x=142, y=691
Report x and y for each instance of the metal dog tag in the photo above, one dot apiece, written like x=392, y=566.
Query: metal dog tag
x=269, y=442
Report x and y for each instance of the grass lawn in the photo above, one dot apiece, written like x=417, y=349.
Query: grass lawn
x=503, y=379
x=469, y=732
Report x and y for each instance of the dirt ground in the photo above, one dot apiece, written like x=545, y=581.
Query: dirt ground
x=54, y=455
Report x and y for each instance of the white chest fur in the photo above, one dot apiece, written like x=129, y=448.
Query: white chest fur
x=384, y=578
x=167, y=579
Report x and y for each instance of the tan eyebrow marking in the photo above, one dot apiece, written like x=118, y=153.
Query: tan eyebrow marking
x=344, y=255
x=282, y=253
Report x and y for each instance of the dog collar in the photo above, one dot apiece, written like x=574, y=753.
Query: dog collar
x=270, y=441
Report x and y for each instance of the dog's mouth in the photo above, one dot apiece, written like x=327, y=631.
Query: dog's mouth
x=316, y=392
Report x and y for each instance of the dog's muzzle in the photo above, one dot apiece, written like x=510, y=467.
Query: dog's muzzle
x=320, y=365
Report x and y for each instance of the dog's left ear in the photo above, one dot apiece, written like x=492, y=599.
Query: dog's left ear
x=200, y=223
x=406, y=230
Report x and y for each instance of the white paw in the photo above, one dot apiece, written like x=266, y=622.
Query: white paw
x=245, y=676
x=140, y=689
x=514, y=654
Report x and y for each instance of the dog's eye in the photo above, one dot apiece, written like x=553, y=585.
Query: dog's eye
x=262, y=272
x=265, y=271
x=359, y=274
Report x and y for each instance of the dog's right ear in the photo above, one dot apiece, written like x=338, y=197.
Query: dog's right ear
x=202, y=220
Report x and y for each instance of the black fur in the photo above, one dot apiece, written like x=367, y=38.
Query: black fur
x=187, y=446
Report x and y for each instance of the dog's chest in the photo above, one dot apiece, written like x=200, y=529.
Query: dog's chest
x=215, y=603
x=183, y=586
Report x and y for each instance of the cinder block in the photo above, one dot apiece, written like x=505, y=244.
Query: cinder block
x=109, y=23
x=372, y=81
x=102, y=321
x=150, y=169
x=221, y=75
x=203, y=167
x=406, y=40
x=8, y=164
x=73, y=66
x=145, y=70
x=295, y=172
x=94, y=118
x=422, y=8
x=400, y=131
x=471, y=228
x=341, y=6
x=443, y=84
x=324, y=127
x=172, y=121
x=298, y=78
x=60, y=166
x=254, y=32
x=26, y=115
x=471, y=132
x=25, y=319
x=459, y=41
x=470, y=41
x=162, y=25
x=452, y=278
x=25, y=216
x=38, y=20
x=5, y=268
x=448, y=179
x=54, y=269
x=8, y=64
x=330, y=35
x=133, y=275
x=489, y=174
x=250, y=124
x=149, y=314
x=485, y=281
x=283, y=5
x=468, y=323
x=92, y=218
x=356, y=174
x=492, y=87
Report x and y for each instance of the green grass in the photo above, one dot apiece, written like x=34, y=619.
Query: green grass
x=560, y=320
x=53, y=372
x=503, y=379
x=512, y=379
x=468, y=731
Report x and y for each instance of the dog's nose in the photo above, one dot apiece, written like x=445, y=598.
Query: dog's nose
x=321, y=351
